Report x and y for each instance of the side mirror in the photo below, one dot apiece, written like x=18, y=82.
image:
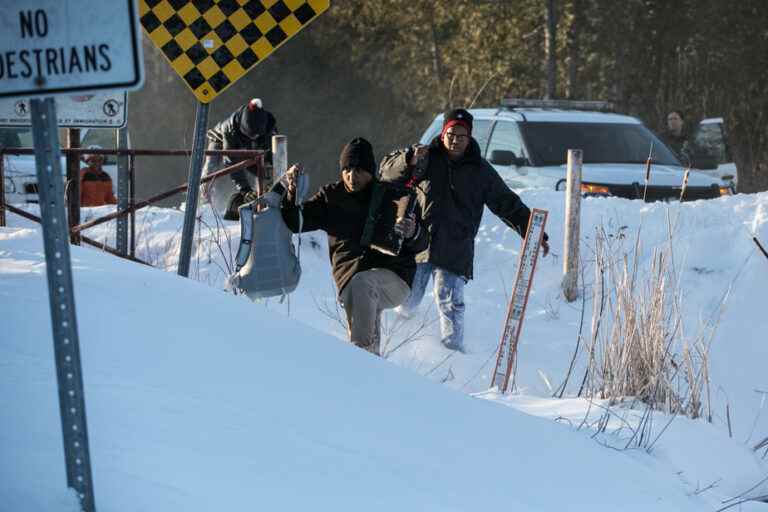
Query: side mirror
x=506, y=158
x=502, y=157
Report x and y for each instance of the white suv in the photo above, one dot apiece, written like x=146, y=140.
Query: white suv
x=19, y=170
x=527, y=142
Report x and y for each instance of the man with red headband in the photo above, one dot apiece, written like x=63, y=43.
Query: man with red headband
x=456, y=186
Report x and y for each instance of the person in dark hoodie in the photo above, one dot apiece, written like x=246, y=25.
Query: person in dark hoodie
x=368, y=281
x=677, y=136
x=457, y=184
x=249, y=127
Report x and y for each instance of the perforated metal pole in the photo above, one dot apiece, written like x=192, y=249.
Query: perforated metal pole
x=131, y=202
x=2, y=190
x=572, y=226
x=193, y=189
x=62, y=300
x=122, y=192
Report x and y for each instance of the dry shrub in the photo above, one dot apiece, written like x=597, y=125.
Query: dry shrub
x=638, y=349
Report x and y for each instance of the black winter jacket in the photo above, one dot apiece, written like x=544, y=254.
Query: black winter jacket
x=452, y=196
x=227, y=135
x=342, y=215
x=680, y=144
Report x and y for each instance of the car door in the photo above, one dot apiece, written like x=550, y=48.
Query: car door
x=710, y=137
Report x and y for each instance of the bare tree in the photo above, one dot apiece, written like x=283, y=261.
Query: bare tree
x=550, y=49
x=573, y=60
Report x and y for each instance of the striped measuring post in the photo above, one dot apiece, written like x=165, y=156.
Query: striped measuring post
x=505, y=358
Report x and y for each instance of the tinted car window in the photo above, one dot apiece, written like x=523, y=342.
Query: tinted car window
x=506, y=137
x=481, y=129
x=600, y=142
x=709, y=139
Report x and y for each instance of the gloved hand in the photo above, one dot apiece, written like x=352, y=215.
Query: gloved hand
x=405, y=227
x=235, y=201
x=250, y=197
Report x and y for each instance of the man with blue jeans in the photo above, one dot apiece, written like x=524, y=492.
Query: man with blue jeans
x=455, y=187
x=449, y=297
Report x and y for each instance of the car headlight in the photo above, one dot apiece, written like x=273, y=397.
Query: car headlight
x=589, y=188
x=725, y=191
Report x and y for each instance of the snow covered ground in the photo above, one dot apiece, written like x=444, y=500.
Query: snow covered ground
x=201, y=400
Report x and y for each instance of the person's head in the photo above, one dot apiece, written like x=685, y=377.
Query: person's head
x=456, y=133
x=357, y=164
x=675, y=121
x=92, y=160
x=254, y=119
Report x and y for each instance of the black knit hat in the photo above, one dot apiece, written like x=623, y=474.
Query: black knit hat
x=358, y=153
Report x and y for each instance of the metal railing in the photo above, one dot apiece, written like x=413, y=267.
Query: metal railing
x=254, y=158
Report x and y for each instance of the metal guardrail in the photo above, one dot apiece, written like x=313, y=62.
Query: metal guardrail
x=254, y=158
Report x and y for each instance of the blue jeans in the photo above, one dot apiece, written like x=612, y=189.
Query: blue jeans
x=449, y=296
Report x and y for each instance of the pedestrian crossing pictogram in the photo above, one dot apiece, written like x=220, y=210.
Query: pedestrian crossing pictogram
x=213, y=43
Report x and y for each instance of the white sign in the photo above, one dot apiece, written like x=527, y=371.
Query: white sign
x=51, y=47
x=103, y=110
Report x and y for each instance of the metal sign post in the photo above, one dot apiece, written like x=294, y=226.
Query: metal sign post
x=121, y=239
x=62, y=300
x=48, y=48
x=513, y=325
x=193, y=188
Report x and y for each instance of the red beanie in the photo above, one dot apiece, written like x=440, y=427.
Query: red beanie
x=455, y=117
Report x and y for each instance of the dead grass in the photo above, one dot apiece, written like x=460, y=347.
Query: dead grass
x=638, y=349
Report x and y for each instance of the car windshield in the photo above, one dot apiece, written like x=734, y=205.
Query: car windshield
x=602, y=143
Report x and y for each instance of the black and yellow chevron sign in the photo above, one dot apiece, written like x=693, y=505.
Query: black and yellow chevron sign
x=213, y=43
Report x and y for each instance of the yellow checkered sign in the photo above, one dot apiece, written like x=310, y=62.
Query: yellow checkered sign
x=213, y=43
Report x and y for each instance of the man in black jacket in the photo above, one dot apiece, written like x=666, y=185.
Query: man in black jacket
x=249, y=127
x=368, y=281
x=456, y=185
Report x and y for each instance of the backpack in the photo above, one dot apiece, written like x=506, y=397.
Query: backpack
x=268, y=265
x=394, y=196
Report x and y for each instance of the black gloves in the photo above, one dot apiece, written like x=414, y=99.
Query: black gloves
x=236, y=200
